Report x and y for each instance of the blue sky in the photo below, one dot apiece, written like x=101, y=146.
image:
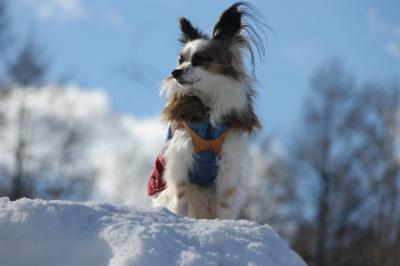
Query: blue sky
x=127, y=47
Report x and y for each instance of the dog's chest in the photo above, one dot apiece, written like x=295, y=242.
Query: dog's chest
x=207, y=142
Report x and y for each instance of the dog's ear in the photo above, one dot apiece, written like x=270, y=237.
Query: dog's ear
x=188, y=32
x=229, y=23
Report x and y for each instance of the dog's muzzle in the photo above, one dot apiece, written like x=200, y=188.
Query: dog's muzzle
x=176, y=73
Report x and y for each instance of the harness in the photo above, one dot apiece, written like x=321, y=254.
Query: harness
x=207, y=143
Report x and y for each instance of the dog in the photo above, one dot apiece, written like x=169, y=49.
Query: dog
x=210, y=115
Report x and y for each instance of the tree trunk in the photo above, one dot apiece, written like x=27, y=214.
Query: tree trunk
x=17, y=190
x=322, y=221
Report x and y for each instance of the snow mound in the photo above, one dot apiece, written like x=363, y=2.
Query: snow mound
x=37, y=232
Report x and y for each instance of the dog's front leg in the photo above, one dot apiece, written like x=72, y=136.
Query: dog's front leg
x=230, y=173
x=228, y=197
x=179, y=158
x=180, y=198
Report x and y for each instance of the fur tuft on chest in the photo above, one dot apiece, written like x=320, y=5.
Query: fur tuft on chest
x=181, y=108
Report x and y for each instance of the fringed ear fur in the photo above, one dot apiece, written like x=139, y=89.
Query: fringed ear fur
x=188, y=32
x=237, y=26
x=229, y=23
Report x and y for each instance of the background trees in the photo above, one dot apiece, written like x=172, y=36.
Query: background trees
x=30, y=158
x=347, y=161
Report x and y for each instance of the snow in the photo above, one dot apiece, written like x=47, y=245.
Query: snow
x=38, y=232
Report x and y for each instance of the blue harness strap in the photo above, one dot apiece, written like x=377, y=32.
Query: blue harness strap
x=205, y=167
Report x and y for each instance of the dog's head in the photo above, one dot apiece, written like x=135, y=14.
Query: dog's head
x=212, y=68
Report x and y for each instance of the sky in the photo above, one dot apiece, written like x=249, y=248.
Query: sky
x=127, y=47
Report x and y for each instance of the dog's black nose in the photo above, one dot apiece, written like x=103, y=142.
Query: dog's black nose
x=176, y=73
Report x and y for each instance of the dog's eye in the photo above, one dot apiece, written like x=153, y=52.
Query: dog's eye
x=181, y=60
x=198, y=60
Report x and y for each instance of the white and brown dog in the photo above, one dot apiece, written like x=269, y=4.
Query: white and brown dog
x=210, y=113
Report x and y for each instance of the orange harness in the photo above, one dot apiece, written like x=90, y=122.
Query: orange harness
x=205, y=166
x=200, y=144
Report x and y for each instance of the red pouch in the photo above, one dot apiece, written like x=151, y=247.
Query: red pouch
x=156, y=181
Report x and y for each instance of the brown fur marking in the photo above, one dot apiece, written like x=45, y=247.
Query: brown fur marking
x=247, y=120
x=228, y=193
x=222, y=61
x=184, y=108
x=181, y=184
x=224, y=205
x=209, y=208
x=191, y=108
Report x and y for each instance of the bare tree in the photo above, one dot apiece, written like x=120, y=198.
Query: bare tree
x=55, y=173
x=52, y=152
x=377, y=124
x=61, y=171
x=29, y=68
x=270, y=195
x=26, y=70
x=347, y=159
x=323, y=156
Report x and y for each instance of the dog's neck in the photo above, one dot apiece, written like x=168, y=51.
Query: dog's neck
x=190, y=108
x=184, y=108
x=223, y=96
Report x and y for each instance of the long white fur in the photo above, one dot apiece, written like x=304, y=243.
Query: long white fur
x=178, y=157
x=222, y=95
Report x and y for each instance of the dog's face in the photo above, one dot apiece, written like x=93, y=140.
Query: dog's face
x=204, y=63
x=212, y=68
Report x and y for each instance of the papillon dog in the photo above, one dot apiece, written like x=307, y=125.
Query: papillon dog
x=210, y=113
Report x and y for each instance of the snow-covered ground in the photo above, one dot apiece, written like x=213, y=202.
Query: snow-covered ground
x=37, y=232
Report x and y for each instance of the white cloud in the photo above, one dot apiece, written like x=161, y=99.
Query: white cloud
x=119, y=148
x=58, y=10
x=377, y=24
